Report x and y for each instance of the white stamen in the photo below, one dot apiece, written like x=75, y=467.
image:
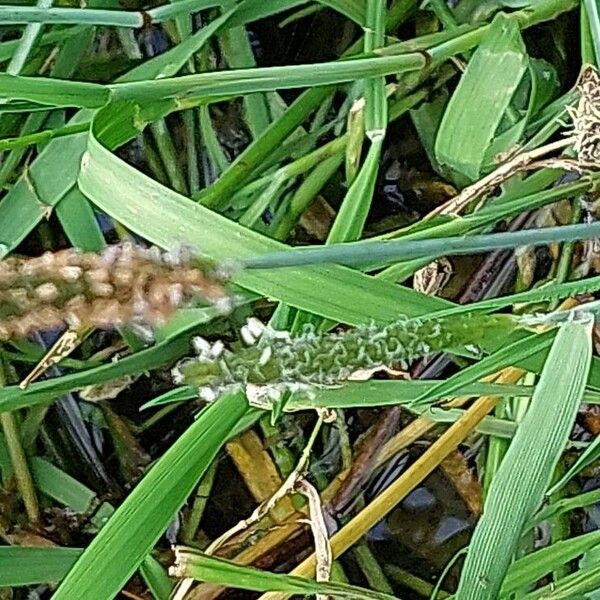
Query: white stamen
x=201, y=346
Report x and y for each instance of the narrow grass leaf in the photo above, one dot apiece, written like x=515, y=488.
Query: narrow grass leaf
x=529, y=569
x=593, y=15
x=571, y=587
x=46, y=91
x=156, y=578
x=237, y=51
x=546, y=293
x=506, y=356
x=202, y=567
x=366, y=393
x=79, y=222
x=382, y=252
x=353, y=213
x=121, y=545
x=190, y=90
x=590, y=455
x=481, y=98
x=563, y=505
x=20, y=566
x=203, y=86
x=60, y=486
x=519, y=485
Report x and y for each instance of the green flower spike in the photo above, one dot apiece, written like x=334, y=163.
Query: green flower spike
x=269, y=363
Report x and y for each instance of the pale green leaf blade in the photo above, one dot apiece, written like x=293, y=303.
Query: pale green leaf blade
x=202, y=567
x=529, y=463
x=475, y=110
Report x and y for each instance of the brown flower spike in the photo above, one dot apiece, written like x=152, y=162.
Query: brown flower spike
x=122, y=284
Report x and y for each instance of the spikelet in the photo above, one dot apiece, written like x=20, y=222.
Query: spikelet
x=275, y=361
x=124, y=284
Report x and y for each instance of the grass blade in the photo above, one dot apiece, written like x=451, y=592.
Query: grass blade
x=507, y=355
x=534, y=566
x=199, y=566
x=31, y=566
x=118, y=550
x=369, y=252
x=475, y=110
x=529, y=463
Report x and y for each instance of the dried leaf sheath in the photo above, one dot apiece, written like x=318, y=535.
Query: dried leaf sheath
x=123, y=284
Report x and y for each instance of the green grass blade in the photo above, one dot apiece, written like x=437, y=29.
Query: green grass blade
x=41, y=137
x=32, y=566
x=208, y=568
x=593, y=16
x=572, y=587
x=519, y=485
x=51, y=92
x=178, y=219
x=353, y=213
x=79, y=222
x=475, y=110
x=121, y=545
x=203, y=86
x=369, y=252
x=156, y=578
x=563, y=505
x=192, y=89
x=546, y=293
x=238, y=54
x=534, y=566
x=27, y=42
x=590, y=455
x=506, y=356
x=368, y=393
x=62, y=487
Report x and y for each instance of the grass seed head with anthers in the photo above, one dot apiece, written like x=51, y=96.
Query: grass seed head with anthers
x=276, y=361
x=123, y=284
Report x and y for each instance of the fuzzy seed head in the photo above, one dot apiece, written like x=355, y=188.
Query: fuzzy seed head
x=123, y=284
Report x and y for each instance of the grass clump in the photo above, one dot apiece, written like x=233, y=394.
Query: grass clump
x=398, y=380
